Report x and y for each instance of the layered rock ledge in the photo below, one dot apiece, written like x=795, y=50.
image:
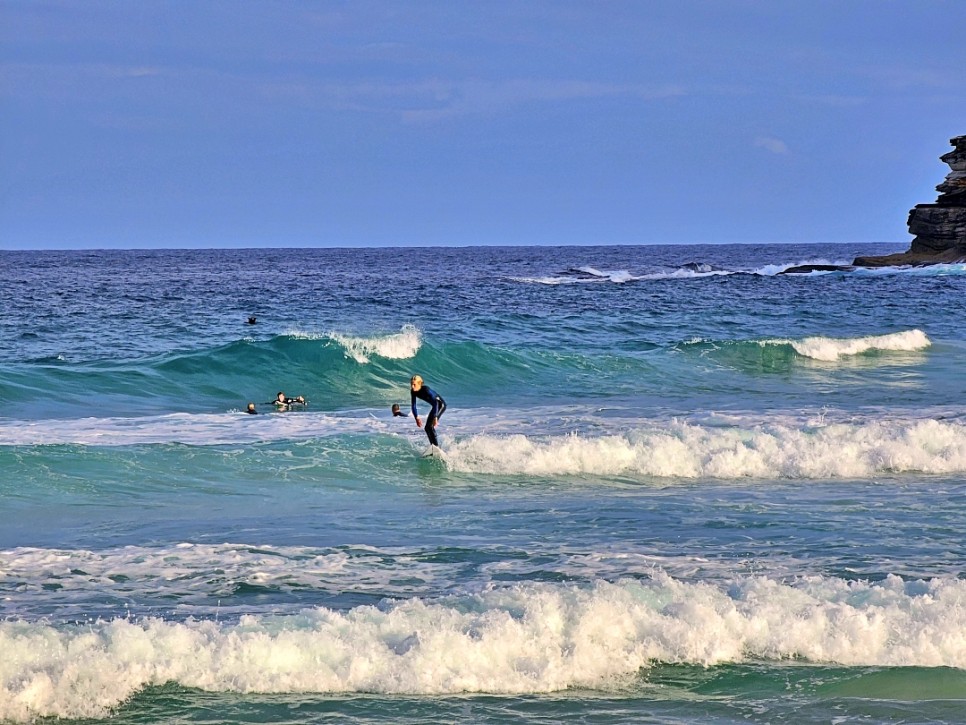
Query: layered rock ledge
x=939, y=228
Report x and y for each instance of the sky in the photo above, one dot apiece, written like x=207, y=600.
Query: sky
x=282, y=123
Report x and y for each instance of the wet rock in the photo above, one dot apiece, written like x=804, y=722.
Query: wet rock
x=809, y=268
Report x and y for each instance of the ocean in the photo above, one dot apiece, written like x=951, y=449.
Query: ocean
x=679, y=486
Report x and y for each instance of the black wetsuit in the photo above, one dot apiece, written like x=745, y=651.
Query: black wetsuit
x=439, y=405
x=287, y=403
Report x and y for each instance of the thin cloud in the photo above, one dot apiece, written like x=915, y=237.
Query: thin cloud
x=415, y=100
x=903, y=78
x=65, y=80
x=772, y=144
x=833, y=100
x=484, y=97
x=429, y=100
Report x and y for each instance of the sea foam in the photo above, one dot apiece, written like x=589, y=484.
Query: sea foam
x=779, y=448
x=831, y=349
x=188, y=428
x=201, y=578
x=684, y=450
x=398, y=346
x=184, y=571
x=533, y=638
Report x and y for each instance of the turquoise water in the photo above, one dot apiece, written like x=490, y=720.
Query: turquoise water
x=679, y=486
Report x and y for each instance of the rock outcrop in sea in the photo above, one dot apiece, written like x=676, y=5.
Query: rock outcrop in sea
x=939, y=228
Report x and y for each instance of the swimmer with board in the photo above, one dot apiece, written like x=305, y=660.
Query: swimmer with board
x=283, y=403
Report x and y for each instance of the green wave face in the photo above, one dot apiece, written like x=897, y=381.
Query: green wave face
x=338, y=372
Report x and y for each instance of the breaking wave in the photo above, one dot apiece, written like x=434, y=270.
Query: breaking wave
x=683, y=450
x=533, y=638
x=398, y=346
x=776, y=448
x=830, y=349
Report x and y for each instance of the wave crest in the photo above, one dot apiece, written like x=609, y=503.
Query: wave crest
x=399, y=346
x=831, y=349
x=683, y=450
x=395, y=346
x=532, y=638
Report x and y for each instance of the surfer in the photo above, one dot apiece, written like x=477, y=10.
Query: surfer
x=283, y=403
x=418, y=390
x=251, y=409
x=397, y=411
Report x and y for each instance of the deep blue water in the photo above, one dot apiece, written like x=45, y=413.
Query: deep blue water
x=679, y=486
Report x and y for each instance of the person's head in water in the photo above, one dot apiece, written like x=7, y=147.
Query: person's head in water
x=396, y=411
x=252, y=320
x=416, y=382
x=251, y=409
x=280, y=398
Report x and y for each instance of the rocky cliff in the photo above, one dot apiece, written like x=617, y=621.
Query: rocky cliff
x=939, y=228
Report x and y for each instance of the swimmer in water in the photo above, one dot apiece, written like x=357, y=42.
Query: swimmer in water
x=283, y=403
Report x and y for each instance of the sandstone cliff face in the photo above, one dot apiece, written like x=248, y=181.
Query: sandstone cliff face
x=939, y=228
x=953, y=189
x=942, y=226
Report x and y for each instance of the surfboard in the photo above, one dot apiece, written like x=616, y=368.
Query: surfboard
x=434, y=452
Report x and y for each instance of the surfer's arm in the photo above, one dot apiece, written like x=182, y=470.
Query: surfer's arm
x=412, y=397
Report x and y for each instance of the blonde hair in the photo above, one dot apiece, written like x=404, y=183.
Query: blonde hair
x=417, y=380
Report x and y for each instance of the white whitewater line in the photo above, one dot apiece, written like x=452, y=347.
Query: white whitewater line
x=202, y=429
x=186, y=570
x=528, y=638
x=682, y=450
x=720, y=447
x=831, y=349
x=400, y=345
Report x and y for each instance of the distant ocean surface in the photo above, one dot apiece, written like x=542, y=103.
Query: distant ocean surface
x=679, y=487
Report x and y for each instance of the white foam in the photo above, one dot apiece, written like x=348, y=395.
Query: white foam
x=825, y=446
x=187, y=428
x=831, y=349
x=522, y=639
x=186, y=569
x=771, y=270
x=594, y=275
x=682, y=450
x=687, y=274
x=929, y=270
x=598, y=278
x=618, y=276
x=198, y=575
x=398, y=346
